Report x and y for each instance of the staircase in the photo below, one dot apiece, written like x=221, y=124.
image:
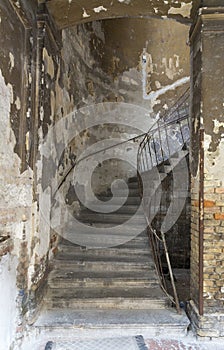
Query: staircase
x=107, y=292
x=107, y=281
x=121, y=277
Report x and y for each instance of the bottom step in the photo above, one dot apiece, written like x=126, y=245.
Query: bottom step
x=106, y=323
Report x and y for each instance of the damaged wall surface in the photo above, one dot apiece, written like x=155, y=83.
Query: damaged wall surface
x=53, y=80
x=46, y=75
x=15, y=178
x=207, y=167
x=75, y=13
x=112, y=72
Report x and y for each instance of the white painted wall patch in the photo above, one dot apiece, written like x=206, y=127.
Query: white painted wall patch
x=85, y=14
x=99, y=9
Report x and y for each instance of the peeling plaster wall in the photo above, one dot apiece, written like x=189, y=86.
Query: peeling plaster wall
x=207, y=166
x=167, y=60
x=45, y=75
x=104, y=9
x=114, y=73
x=8, y=296
x=17, y=210
x=102, y=63
x=91, y=85
x=16, y=187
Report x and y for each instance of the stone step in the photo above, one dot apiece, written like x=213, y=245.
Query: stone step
x=93, y=257
x=61, y=273
x=110, y=322
x=133, y=179
x=133, y=184
x=123, y=251
x=136, y=243
x=130, y=185
x=130, y=200
x=124, y=209
x=132, y=192
x=117, y=236
x=66, y=281
x=112, y=218
x=106, y=298
x=71, y=265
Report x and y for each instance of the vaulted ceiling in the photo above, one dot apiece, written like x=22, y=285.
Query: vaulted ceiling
x=67, y=13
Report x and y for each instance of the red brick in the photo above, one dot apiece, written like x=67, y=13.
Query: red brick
x=219, y=216
x=219, y=190
x=209, y=203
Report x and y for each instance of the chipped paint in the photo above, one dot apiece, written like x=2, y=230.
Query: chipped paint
x=184, y=10
x=153, y=95
x=85, y=14
x=18, y=103
x=214, y=161
x=118, y=9
x=11, y=61
x=99, y=9
x=217, y=126
x=127, y=2
x=49, y=63
x=171, y=66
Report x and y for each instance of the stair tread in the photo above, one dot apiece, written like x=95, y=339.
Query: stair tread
x=101, y=275
x=123, y=210
x=64, y=257
x=108, y=251
x=91, y=293
x=111, y=318
x=103, y=263
x=110, y=217
x=67, y=281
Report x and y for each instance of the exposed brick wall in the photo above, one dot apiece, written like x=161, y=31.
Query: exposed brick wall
x=194, y=240
x=207, y=113
x=214, y=246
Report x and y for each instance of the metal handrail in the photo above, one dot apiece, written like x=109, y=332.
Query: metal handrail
x=177, y=115
x=144, y=135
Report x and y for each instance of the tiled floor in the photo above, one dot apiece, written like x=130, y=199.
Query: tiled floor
x=185, y=344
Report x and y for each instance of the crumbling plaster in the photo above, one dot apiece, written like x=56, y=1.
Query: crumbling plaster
x=15, y=209
x=75, y=13
x=98, y=45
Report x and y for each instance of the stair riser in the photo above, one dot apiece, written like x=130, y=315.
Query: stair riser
x=131, y=185
x=132, y=200
x=72, y=267
x=132, y=192
x=81, y=304
x=133, y=179
x=93, y=259
x=94, y=284
x=124, y=210
x=114, y=219
x=129, y=245
x=106, y=252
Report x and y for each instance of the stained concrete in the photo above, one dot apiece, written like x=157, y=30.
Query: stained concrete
x=104, y=9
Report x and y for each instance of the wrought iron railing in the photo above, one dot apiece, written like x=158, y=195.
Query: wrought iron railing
x=169, y=134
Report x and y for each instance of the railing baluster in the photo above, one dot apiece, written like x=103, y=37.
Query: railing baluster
x=177, y=116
